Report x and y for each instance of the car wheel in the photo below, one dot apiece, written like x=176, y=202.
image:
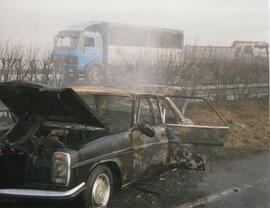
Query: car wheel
x=95, y=75
x=99, y=188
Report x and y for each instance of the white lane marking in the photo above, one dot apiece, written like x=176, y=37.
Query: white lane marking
x=221, y=195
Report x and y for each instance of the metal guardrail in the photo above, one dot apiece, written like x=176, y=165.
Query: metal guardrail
x=234, y=92
x=212, y=92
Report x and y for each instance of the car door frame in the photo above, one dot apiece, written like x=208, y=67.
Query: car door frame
x=189, y=137
x=150, y=154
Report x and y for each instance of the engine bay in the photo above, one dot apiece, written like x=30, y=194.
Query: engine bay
x=26, y=149
x=36, y=136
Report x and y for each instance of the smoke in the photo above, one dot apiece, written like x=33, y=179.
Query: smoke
x=211, y=22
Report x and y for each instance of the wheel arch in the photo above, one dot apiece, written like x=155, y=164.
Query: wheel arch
x=115, y=169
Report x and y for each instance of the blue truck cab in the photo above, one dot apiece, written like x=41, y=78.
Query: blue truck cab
x=76, y=52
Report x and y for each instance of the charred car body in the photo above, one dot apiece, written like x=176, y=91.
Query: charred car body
x=83, y=141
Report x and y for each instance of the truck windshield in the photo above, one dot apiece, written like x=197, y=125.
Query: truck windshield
x=66, y=42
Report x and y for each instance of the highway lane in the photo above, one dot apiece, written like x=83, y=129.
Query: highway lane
x=231, y=182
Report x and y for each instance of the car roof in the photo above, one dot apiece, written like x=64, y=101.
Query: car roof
x=94, y=90
x=150, y=90
x=102, y=91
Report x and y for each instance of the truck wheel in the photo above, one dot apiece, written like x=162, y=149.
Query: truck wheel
x=69, y=78
x=95, y=75
x=99, y=188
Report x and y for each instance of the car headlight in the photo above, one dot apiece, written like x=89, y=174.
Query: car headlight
x=61, y=168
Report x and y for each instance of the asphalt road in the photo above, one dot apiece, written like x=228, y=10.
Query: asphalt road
x=234, y=183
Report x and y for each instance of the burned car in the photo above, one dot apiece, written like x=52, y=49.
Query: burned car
x=67, y=142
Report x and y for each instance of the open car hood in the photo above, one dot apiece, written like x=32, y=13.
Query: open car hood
x=56, y=104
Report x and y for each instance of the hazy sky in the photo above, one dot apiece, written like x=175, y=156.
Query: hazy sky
x=205, y=22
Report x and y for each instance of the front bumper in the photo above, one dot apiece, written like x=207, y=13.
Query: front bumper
x=41, y=194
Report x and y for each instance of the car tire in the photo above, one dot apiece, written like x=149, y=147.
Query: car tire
x=99, y=188
x=95, y=75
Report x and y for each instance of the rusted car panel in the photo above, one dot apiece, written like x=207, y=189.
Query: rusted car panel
x=194, y=134
x=126, y=132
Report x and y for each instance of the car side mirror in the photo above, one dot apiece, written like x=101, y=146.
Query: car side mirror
x=146, y=129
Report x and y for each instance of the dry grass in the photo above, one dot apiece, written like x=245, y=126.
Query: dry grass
x=254, y=115
x=248, y=123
